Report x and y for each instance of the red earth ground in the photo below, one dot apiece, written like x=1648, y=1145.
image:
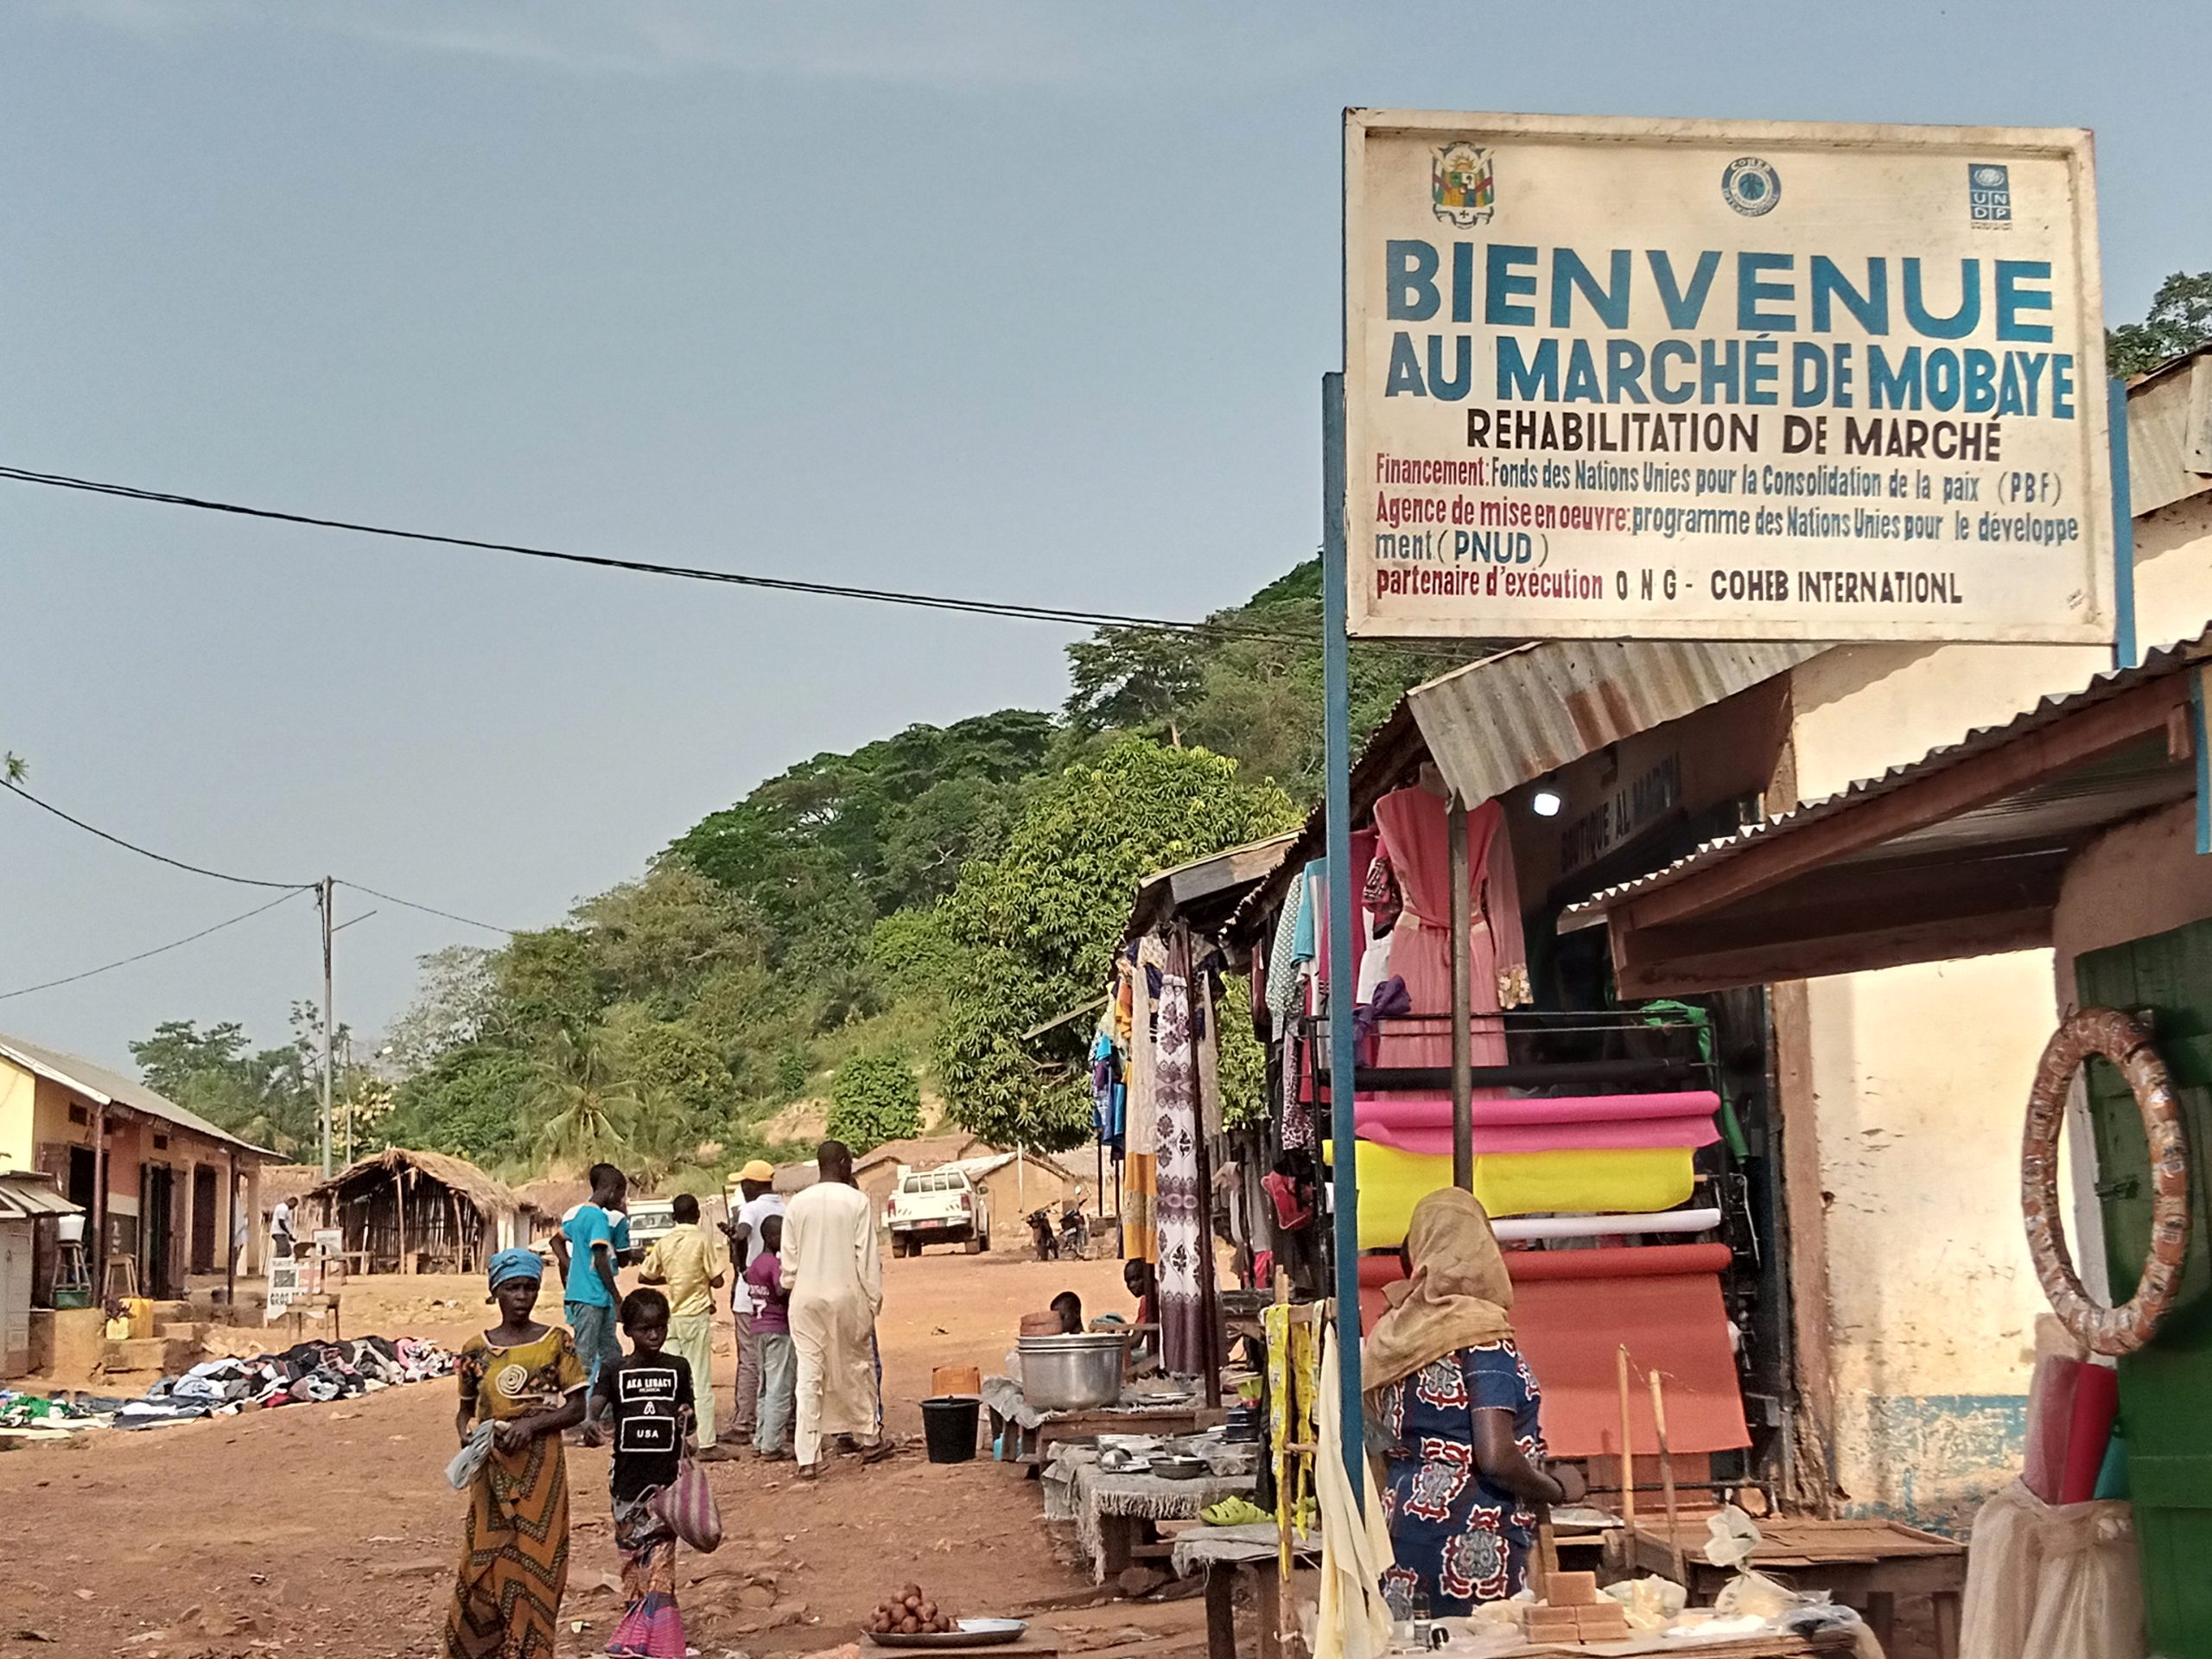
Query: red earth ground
x=328, y=1530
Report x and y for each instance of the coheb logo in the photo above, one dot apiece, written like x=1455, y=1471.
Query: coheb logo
x=1750, y=186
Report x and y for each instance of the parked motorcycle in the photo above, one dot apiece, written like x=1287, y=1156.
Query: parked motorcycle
x=1075, y=1233
x=1041, y=1235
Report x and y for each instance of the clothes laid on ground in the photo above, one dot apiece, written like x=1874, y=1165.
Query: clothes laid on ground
x=835, y=1275
x=514, y=1558
x=305, y=1371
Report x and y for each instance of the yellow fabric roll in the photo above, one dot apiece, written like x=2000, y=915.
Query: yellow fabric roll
x=1519, y=1184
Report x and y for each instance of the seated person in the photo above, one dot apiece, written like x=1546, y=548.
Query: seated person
x=1069, y=1306
x=1142, y=1280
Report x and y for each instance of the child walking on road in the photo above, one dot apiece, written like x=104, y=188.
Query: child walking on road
x=646, y=1395
x=772, y=1331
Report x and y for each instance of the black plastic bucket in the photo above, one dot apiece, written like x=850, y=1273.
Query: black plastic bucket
x=949, y=1424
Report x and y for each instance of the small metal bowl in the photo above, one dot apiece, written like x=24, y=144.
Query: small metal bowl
x=1181, y=1467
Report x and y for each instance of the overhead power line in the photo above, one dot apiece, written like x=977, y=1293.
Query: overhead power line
x=689, y=573
x=427, y=910
x=70, y=979
x=242, y=881
x=147, y=852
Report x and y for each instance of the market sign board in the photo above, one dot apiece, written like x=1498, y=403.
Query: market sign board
x=1617, y=379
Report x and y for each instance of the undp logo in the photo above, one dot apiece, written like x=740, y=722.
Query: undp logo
x=1750, y=186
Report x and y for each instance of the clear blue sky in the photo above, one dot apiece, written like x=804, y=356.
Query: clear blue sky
x=1021, y=300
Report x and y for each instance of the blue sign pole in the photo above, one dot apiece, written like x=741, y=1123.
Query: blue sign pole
x=2124, y=654
x=1336, y=679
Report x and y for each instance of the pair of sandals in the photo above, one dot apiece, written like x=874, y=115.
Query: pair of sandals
x=883, y=1447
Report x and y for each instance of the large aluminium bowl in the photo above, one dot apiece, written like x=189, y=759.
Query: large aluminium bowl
x=1073, y=1373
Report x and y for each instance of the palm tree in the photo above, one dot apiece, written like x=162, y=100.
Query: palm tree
x=585, y=1102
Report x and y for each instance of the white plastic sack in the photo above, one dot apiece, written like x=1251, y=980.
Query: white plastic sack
x=2052, y=1581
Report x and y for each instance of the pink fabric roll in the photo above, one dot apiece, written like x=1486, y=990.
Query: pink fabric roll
x=1553, y=1137
x=1425, y=1111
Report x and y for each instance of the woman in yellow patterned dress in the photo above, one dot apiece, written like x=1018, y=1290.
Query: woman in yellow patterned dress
x=523, y=1379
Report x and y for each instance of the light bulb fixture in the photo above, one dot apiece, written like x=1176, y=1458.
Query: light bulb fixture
x=1546, y=801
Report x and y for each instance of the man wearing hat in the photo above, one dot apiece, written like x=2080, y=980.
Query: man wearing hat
x=756, y=1185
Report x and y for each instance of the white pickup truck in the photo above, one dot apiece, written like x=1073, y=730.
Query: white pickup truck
x=937, y=1206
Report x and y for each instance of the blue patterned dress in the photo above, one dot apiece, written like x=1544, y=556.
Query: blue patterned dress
x=1457, y=1539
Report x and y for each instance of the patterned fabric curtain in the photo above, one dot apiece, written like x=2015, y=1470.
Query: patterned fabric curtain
x=1181, y=1205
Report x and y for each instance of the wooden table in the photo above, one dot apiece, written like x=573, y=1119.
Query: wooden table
x=1225, y=1555
x=1031, y=1444
x=1868, y=1564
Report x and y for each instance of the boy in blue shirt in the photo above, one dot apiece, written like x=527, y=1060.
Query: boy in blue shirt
x=590, y=1244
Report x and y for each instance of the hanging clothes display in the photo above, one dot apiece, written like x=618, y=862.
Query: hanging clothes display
x=1416, y=838
x=1181, y=1216
x=1140, y=1169
x=1109, y=1093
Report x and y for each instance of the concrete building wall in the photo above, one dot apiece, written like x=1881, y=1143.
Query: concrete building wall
x=1920, y=1076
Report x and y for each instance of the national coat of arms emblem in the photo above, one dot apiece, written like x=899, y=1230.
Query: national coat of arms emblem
x=1462, y=187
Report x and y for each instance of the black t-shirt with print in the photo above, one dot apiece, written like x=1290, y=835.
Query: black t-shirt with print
x=645, y=1395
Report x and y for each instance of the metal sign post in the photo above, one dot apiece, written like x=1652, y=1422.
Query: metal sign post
x=1337, y=699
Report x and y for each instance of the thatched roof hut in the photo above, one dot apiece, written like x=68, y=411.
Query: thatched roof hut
x=547, y=1199
x=400, y=1211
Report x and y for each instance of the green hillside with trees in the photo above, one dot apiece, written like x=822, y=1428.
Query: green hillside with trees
x=907, y=910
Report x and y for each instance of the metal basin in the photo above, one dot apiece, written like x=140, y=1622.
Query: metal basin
x=1073, y=1373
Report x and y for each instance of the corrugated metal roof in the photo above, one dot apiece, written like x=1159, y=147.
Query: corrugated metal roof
x=1223, y=875
x=2121, y=778
x=110, y=1088
x=26, y=1197
x=1510, y=719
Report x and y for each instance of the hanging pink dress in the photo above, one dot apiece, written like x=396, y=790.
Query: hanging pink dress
x=1416, y=834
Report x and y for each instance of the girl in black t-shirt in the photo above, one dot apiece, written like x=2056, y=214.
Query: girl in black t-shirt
x=645, y=1401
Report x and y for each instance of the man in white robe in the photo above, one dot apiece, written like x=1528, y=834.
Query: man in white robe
x=834, y=1274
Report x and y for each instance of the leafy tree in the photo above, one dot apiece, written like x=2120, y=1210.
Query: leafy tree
x=2180, y=320
x=1041, y=921
x=13, y=767
x=584, y=1103
x=471, y=1102
x=455, y=1003
x=669, y=1060
x=874, y=1098
x=272, y=1097
x=546, y=983
x=1256, y=700
x=1244, y=1062
x=658, y=938
x=913, y=954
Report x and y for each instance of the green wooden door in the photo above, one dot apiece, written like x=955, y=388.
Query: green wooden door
x=2166, y=1391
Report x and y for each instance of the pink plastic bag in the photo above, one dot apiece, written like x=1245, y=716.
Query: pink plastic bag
x=687, y=1503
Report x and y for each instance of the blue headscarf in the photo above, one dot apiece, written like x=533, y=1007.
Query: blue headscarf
x=515, y=1264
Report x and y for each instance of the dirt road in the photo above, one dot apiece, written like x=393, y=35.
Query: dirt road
x=328, y=1530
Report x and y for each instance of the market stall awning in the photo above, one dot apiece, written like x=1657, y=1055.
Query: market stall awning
x=25, y=1197
x=1205, y=890
x=1958, y=854
x=1510, y=719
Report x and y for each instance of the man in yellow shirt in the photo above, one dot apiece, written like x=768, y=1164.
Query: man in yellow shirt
x=691, y=1262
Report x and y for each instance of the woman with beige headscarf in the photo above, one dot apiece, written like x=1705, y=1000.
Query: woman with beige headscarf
x=1455, y=1407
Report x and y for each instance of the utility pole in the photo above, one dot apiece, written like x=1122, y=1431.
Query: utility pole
x=325, y=898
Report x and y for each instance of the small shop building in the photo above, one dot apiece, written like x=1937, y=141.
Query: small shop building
x=2080, y=831
x=1876, y=1308
x=164, y=1191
